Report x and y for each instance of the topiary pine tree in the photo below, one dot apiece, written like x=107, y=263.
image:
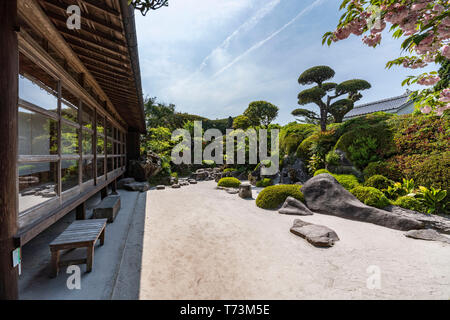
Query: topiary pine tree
x=318, y=75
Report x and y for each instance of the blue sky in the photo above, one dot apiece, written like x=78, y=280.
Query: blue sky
x=213, y=57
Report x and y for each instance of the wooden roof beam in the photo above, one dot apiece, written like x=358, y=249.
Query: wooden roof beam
x=101, y=5
x=104, y=46
x=78, y=45
x=86, y=16
x=86, y=28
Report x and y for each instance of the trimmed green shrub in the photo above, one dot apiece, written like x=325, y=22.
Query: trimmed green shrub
x=304, y=149
x=332, y=158
x=229, y=170
x=229, y=182
x=293, y=134
x=370, y=196
x=320, y=171
x=273, y=197
x=409, y=203
x=348, y=181
x=378, y=182
x=209, y=163
x=383, y=168
x=264, y=183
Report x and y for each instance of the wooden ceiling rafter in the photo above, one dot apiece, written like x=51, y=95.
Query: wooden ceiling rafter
x=86, y=16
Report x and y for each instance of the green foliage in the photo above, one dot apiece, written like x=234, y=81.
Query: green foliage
x=370, y=196
x=229, y=182
x=304, y=149
x=410, y=203
x=264, y=183
x=229, y=170
x=261, y=113
x=241, y=122
x=273, y=197
x=292, y=135
x=314, y=163
x=433, y=199
x=379, y=182
x=383, y=168
x=317, y=74
x=311, y=95
x=352, y=86
x=332, y=158
x=320, y=171
x=340, y=108
x=426, y=170
x=158, y=140
x=348, y=181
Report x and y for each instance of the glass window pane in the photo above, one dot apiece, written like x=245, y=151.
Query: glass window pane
x=37, y=183
x=100, y=136
x=42, y=92
x=109, y=149
x=87, y=117
x=100, y=167
x=69, y=174
x=88, y=170
x=69, y=139
x=87, y=142
x=109, y=130
x=69, y=112
x=37, y=134
x=110, y=164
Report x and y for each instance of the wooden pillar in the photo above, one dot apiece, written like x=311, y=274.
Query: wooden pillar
x=81, y=211
x=104, y=193
x=133, y=148
x=114, y=187
x=9, y=66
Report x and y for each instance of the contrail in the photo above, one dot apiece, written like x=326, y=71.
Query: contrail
x=262, y=42
x=260, y=14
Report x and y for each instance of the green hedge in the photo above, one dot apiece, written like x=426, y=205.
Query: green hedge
x=229, y=182
x=348, y=181
x=370, y=196
x=264, y=183
x=273, y=197
x=409, y=203
x=383, y=168
x=378, y=182
x=320, y=171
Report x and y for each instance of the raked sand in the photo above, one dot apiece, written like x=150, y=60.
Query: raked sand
x=203, y=243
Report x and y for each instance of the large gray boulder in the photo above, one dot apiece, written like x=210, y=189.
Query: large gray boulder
x=137, y=186
x=317, y=235
x=430, y=221
x=427, y=234
x=294, y=170
x=122, y=182
x=323, y=194
x=294, y=207
x=145, y=168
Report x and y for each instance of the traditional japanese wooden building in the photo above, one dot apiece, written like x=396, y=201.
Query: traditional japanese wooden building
x=71, y=112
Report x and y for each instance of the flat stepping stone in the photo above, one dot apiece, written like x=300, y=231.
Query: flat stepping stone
x=175, y=186
x=427, y=234
x=193, y=181
x=160, y=187
x=232, y=191
x=108, y=208
x=317, y=235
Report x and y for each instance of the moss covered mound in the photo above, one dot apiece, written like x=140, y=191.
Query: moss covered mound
x=378, y=182
x=370, y=196
x=320, y=171
x=273, y=197
x=410, y=203
x=229, y=182
x=264, y=183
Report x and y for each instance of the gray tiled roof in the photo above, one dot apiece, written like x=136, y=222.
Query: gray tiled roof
x=390, y=104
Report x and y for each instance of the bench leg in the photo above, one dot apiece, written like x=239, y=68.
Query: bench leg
x=102, y=237
x=90, y=258
x=55, y=263
x=104, y=193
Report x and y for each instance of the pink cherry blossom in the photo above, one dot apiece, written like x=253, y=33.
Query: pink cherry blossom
x=426, y=109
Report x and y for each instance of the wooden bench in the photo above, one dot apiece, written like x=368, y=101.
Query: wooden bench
x=80, y=234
